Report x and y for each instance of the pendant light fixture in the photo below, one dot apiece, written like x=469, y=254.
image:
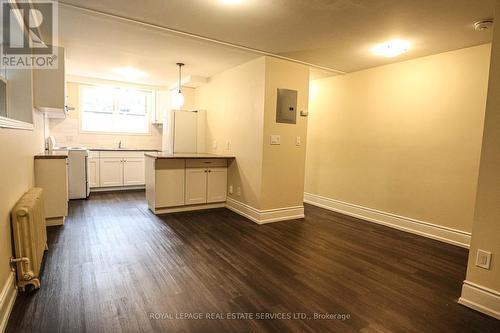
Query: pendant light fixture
x=178, y=97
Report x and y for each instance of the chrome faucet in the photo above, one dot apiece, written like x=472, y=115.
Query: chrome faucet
x=120, y=144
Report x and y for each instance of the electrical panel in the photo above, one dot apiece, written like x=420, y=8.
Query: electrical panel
x=286, y=107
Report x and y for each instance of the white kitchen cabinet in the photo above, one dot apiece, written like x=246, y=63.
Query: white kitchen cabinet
x=196, y=186
x=205, y=185
x=162, y=104
x=133, y=171
x=116, y=169
x=49, y=88
x=93, y=171
x=178, y=185
x=216, y=185
x=51, y=174
x=111, y=171
x=165, y=183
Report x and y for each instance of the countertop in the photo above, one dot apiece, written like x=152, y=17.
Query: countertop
x=104, y=149
x=161, y=155
x=121, y=149
x=53, y=155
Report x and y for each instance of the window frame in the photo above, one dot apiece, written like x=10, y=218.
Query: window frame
x=150, y=109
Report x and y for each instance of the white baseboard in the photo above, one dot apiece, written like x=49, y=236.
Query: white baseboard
x=187, y=208
x=7, y=298
x=481, y=299
x=55, y=221
x=117, y=188
x=426, y=229
x=265, y=216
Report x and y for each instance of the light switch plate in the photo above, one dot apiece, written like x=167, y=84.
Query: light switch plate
x=275, y=139
x=298, y=141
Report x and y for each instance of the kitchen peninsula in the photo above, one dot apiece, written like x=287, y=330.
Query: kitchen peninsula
x=186, y=181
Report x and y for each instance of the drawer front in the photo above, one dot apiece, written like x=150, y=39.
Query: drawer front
x=206, y=163
x=121, y=154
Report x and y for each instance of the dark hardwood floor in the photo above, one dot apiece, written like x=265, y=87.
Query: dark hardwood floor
x=116, y=267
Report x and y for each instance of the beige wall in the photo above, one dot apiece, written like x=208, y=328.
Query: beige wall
x=486, y=229
x=234, y=101
x=241, y=110
x=17, y=148
x=284, y=165
x=402, y=138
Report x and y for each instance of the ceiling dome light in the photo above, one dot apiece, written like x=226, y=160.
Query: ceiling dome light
x=392, y=48
x=483, y=25
x=230, y=2
x=130, y=73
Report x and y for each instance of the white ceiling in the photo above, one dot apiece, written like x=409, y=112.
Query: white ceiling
x=96, y=46
x=332, y=33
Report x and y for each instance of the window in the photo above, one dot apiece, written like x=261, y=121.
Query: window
x=115, y=109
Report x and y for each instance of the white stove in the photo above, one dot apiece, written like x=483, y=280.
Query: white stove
x=78, y=185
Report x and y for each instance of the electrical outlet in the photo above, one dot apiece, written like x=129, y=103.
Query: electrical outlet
x=230, y=189
x=483, y=259
x=238, y=191
x=298, y=141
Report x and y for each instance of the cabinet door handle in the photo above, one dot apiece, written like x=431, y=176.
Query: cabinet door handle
x=209, y=170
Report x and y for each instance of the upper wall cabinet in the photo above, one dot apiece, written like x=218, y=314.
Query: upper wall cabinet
x=162, y=101
x=49, y=89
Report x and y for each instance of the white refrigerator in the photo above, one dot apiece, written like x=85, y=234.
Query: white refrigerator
x=184, y=131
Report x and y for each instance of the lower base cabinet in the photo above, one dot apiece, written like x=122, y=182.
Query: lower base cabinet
x=217, y=185
x=115, y=169
x=133, y=171
x=93, y=170
x=196, y=186
x=111, y=172
x=179, y=183
x=168, y=184
x=205, y=185
x=52, y=176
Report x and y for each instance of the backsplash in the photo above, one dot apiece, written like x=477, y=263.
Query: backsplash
x=67, y=133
